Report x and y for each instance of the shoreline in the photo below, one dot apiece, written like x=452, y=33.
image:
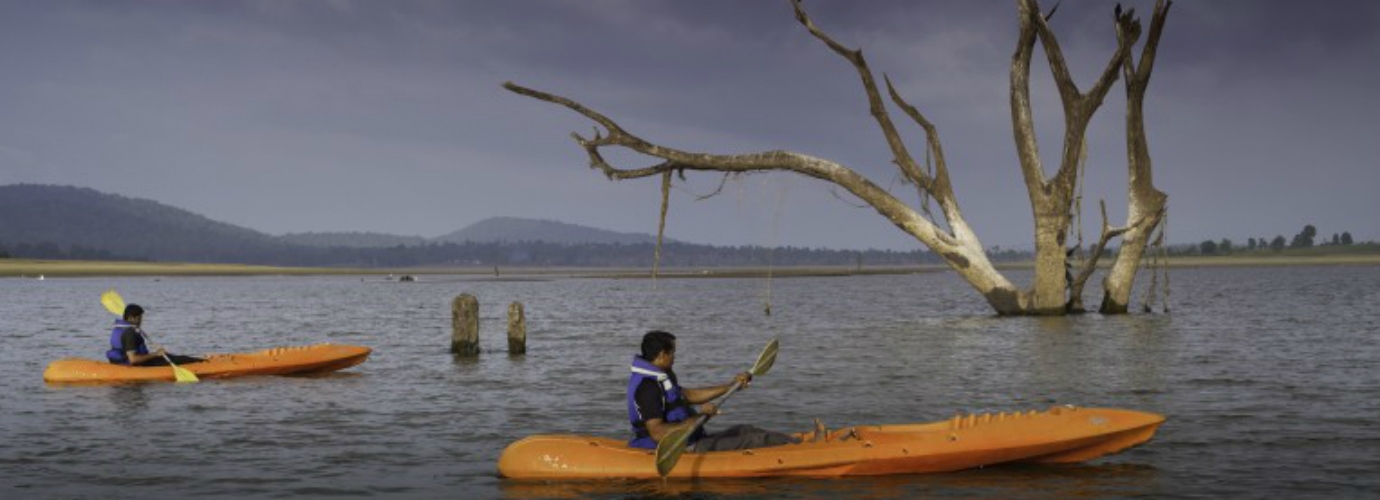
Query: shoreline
x=35, y=268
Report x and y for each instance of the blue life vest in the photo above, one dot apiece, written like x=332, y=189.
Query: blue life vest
x=676, y=407
x=116, y=354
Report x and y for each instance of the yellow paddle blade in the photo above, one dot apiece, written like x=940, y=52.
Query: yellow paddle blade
x=671, y=447
x=766, y=359
x=113, y=302
x=184, y=375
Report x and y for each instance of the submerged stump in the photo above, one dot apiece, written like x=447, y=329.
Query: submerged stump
x=464, y=322
x=517, y=329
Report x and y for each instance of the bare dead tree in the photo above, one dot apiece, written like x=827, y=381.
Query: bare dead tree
x=1050, y=197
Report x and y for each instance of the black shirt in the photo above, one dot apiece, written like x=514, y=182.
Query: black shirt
x=130, y=340
x=650, y=401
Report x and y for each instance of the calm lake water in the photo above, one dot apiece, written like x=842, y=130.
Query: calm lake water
x=1267, y=375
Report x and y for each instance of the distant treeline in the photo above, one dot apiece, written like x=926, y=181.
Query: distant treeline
x=63, y=222
x=541, y=254
x=54, y=251
x=529, y=253
x=1306, y=238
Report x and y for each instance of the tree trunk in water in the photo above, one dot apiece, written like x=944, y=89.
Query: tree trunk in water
x=1116, y=294
x=1050, y=286
x=1145, y=203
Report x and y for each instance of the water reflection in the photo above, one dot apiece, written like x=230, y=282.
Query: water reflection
x=129, y=399
x=466, y=363
x=1053, y=325
x=1148, y=345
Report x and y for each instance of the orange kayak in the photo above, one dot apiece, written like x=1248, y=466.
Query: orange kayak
x=319, y=358
x=1062, y=434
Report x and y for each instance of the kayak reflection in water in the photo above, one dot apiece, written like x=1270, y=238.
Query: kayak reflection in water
x=128, y=343
x=657, y=404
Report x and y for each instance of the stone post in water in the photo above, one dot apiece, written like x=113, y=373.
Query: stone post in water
x=464, y=322
x=517, y=329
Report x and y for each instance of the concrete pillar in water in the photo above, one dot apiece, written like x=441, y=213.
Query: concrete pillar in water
x=517, y=329
x=464, y=323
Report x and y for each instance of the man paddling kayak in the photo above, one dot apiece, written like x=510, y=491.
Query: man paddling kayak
x=128, y=347
x=657, y=404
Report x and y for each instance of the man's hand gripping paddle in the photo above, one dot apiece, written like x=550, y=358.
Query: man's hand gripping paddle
x=672, y=446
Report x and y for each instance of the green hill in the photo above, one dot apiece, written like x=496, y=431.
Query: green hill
x=83, y=218
x=64, y=222
x=513, y=230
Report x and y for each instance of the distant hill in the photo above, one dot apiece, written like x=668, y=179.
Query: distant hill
x=64, y=222
x=69, y=217
x=351, y=240
x=514, y=230
x=65, y=216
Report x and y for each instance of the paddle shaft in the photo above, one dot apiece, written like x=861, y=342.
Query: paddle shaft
x=700, y=420
x=157, y=347
x=179, y=373
x=670, y=447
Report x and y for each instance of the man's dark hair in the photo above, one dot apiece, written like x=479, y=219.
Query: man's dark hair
x=656, y=342
x=133, y=310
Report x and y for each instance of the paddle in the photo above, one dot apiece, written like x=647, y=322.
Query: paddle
x=672, y=445
x=114, y=303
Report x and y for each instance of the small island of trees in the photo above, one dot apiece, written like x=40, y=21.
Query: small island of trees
x=1305, y=239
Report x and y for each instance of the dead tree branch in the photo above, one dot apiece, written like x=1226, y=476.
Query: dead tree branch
x=901, y=156
x=1079, y=107
x=676, y=160
x=939, y=186
x=1076, y=287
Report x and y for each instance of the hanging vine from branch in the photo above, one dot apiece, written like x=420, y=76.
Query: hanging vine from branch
x=661, y=222
x=1148, y=303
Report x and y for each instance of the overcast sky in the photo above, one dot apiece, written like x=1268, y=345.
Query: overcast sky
x=286, y=116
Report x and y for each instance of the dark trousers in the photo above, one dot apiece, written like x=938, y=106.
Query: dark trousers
x=742, y=437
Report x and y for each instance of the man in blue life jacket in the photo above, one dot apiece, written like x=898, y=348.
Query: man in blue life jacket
x=657, y=404
x=128, y=347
